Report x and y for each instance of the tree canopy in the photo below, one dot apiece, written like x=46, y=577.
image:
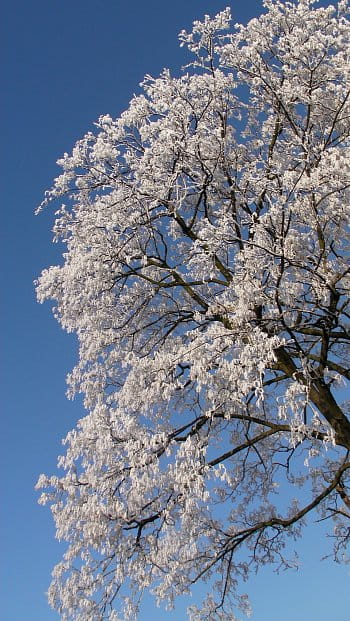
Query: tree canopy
x=207, y=276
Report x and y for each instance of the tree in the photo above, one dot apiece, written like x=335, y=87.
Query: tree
x=207, y=276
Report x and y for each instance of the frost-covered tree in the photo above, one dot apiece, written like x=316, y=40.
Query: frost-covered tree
x=206, y=277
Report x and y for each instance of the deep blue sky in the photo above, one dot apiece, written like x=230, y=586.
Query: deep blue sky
x=65, y=64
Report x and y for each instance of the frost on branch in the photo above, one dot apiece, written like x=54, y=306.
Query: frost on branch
x=207, y=276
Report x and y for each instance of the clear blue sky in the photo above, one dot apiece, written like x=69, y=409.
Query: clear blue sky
x=65, y=64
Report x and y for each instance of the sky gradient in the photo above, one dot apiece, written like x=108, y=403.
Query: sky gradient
x=64, y=64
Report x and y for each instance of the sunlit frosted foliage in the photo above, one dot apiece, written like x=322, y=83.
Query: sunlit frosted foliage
x=206, y=277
